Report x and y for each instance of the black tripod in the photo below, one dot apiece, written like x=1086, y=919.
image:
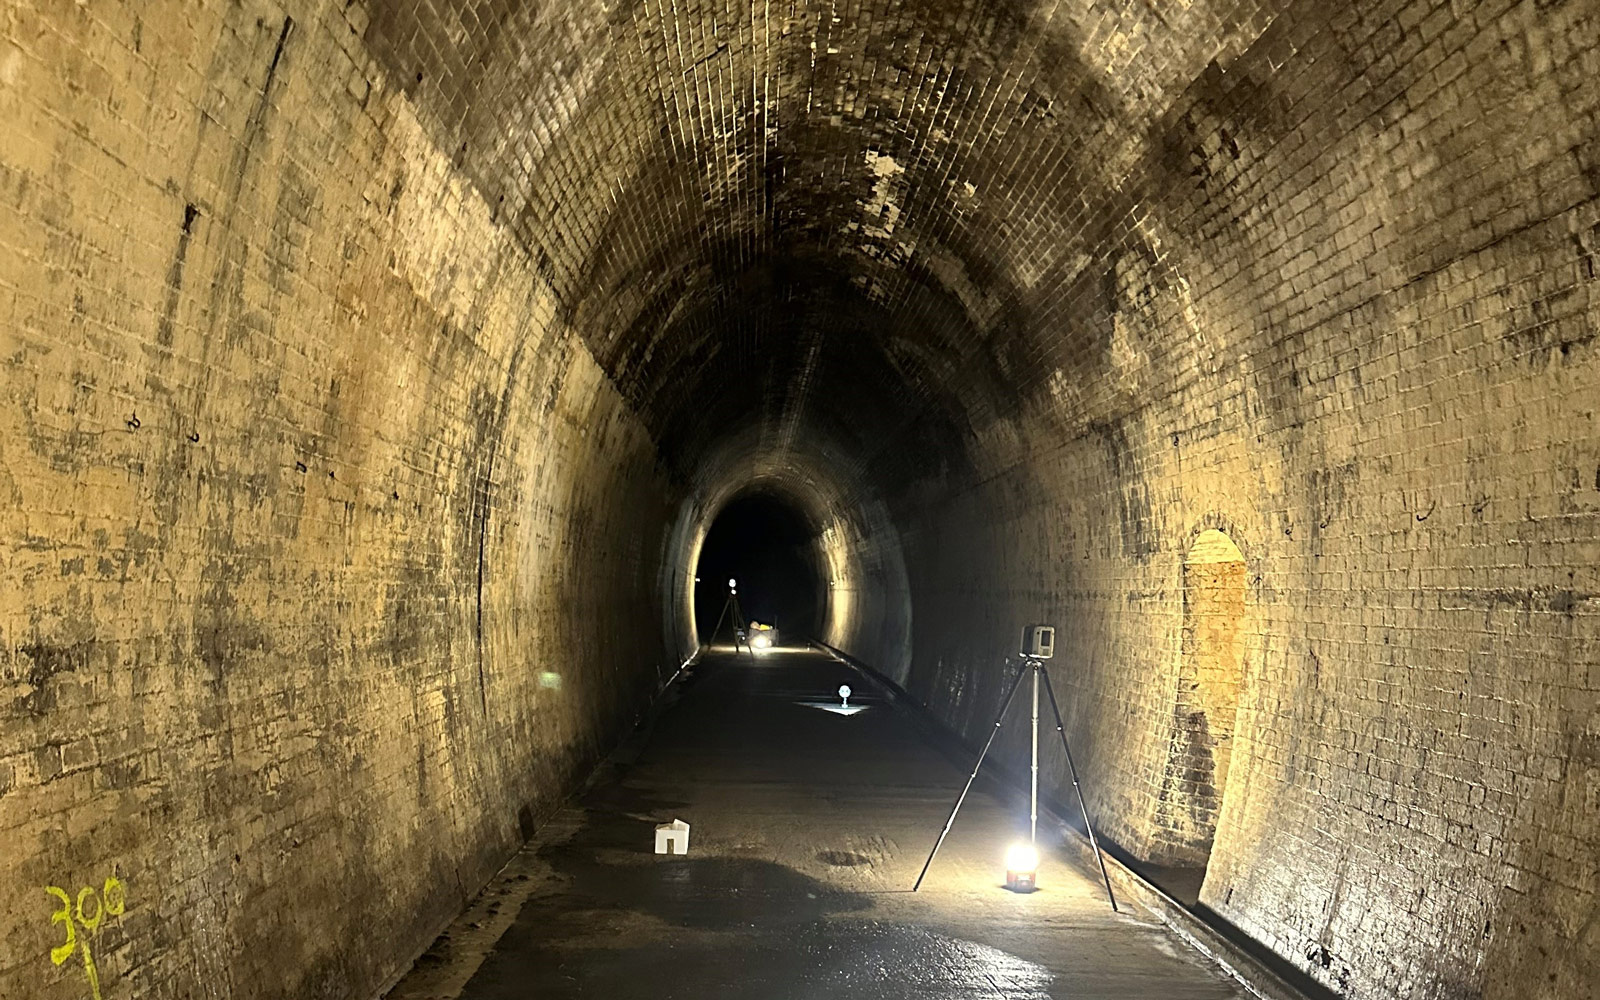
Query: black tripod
x=732, y=604
x=1036, y=667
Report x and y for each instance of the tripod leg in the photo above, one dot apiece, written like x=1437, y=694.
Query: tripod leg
x=738, y=623
x=720, y=617
x=948, y=823
x=1072, y=769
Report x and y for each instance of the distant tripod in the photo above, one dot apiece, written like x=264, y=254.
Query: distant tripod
x=732, y=604
x=1035, y=666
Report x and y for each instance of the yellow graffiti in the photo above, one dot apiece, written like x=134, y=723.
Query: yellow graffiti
x=112, y=899
x=63, y=915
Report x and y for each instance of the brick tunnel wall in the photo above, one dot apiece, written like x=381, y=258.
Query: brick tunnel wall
x=865, y=600
x=312, y=512
x=1093, y=279
x=1372, y=237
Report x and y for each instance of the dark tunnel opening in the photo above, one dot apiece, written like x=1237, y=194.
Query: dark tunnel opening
x=770, y=548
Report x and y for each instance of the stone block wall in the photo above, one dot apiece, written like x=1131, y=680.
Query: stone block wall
x=328, y=554
x=369, y=373
x=1347, y=315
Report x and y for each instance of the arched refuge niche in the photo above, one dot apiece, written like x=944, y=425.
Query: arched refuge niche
x=864, y=604
x=1211, y=670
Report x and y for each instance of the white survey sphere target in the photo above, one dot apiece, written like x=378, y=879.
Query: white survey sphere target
x=732, y=583
x=844, y=690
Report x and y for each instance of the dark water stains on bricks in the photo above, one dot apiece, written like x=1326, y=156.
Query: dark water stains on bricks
x=45, y=661
x=481, y=310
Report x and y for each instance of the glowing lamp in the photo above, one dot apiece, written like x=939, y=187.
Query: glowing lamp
x=1022, y=868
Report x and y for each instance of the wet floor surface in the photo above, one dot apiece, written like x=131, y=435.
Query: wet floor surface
x=808, y=828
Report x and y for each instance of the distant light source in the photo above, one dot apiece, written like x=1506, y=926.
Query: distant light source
x=1022, y=868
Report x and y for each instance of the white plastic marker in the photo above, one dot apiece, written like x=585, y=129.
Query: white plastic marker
x=844, y=695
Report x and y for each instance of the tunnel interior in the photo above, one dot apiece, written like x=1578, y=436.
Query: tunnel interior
x=769, y=547
x=379, y=377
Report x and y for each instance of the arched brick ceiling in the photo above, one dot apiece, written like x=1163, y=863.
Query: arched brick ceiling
x=862, y=226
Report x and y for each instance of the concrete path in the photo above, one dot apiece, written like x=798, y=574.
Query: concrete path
x=808, y=829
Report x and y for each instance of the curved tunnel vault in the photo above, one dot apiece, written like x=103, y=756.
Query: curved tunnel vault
x=373, y=371
x=852, y=545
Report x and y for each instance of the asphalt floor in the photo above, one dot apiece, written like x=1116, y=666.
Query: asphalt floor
x=808, y=827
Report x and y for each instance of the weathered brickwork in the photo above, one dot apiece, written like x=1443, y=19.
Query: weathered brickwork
x=857, y=556
x=374, y=371
x=1357, y=336
x=312, y=512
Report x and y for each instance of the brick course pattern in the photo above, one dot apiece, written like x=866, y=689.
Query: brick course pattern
x=373, y=373
x=314, y=513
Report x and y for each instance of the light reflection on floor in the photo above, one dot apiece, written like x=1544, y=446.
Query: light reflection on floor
x=808, y=834
x=835, y=707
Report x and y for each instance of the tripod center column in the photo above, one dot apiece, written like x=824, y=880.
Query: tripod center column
x=1033, y=786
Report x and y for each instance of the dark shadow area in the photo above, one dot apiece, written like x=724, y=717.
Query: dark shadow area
x=1179, y=882
x=770, y=548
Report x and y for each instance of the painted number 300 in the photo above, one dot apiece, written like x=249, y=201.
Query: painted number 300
x=90, y=910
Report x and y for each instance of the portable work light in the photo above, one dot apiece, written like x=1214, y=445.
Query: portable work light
x=1022, y=868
